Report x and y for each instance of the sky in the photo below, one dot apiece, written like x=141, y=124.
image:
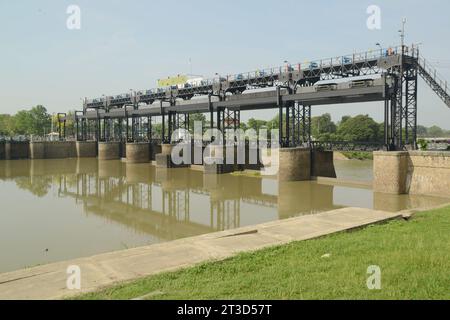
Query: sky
x=125, y=45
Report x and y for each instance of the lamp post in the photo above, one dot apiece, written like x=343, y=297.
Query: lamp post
x=381, y=48
x=402, y=35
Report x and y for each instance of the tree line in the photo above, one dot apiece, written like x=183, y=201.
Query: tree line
x=357, y=128
x=37, y=121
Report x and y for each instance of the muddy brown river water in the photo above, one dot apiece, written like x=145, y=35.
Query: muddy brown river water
x=53, y=210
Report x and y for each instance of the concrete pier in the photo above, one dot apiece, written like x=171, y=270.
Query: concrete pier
x=166, y=149
x=86, y=149
x=37, y=150
x=108, y=151
x=164, y=159
x=414, y=172
x=216, y=162
x=322, y=164
x=52, y=150
x=138, y=152
x=390, y=170
x=17, y=150
x=7, y=150
x=294, y=164
x=155, y=148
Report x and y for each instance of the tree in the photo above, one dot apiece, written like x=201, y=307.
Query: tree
x=35, y=121
x=41, y=121
x=5, y=124
x=256, y=124
x=435, y=132
x=360, y=128
x=322, y=125
x=422, y=131
x=343, y=119
x=197, y=117
x=22, y=123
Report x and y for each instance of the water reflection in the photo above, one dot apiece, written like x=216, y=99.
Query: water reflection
x=143, y=204
x=171, y=204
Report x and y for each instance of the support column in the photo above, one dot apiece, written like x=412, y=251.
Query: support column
x=37, y=150
x=149, y=129
x=390, y=171
x=294, y=164
x=305, y=120
x=109, y=150
x=411, y=108
x=164, y=159
x=2, y=151
x=322, y=164
x=386, y=123
x=138, y=152
x=86, y=149
x=294, y=124
x=7, y=150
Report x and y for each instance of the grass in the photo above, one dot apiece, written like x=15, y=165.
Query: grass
x=246, y=173
x=413, y=256
x=358, y=155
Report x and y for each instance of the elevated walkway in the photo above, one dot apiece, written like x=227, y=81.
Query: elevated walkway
x=434, y=80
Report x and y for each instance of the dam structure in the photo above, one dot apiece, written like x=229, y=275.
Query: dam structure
x=120, y=126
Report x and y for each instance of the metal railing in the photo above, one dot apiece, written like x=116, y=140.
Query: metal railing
x=354, y=58
x=434, y=79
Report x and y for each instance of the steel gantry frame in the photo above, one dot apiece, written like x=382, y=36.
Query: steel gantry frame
x=297, y=125
x=401, y=105
x=400, y=67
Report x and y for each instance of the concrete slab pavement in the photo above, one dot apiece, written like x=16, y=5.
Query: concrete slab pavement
x=49, y=281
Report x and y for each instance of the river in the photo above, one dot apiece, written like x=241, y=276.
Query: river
x=54, y=210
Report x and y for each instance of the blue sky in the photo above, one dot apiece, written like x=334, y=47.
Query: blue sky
x=126, y=45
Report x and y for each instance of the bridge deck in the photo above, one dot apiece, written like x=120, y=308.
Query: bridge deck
x=266, y=100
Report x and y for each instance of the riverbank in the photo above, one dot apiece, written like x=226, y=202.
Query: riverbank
x=412, y=256
x=50, y=281
x=353, y=155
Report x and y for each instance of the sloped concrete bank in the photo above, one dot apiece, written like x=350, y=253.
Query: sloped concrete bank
x=50, y=281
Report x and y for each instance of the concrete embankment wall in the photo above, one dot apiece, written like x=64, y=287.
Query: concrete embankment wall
x=323, y=164
x=138, y=152
x=2, y=151
x=415, y=172
x=86, y=149
x=300, y=164
x=53, y=150
x=109, y=151
x=294, y=164
x=15, y=150
x=47, y=150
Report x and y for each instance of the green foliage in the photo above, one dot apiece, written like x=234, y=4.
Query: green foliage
x=412, y=256
x=422, y=131
x=322, y=125
x=423, y=144
x=6, y=124
x=36, y=121
x=256, y=124
x=358, y=155
x=197, y=117
x=435, y=131
x=359, y=128
x=432, y=132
